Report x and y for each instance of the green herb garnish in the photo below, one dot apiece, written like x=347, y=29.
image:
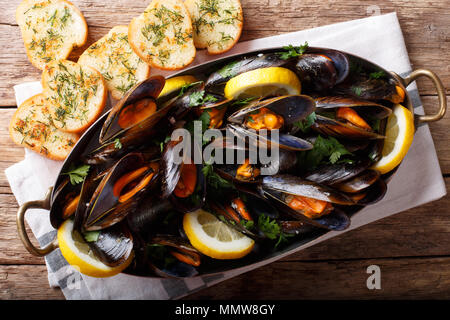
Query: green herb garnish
x=377, y=75
x=91, y=236
x=305, y=124
x=292, y=52
x=213, y=179
x=228, y=71
x=117, y=144
x=77, y=174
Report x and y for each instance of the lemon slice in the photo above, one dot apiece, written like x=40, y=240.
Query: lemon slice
x=175, y=84
x=399, y=137
x=215, y=238
x=264, y=82
x=78, y=254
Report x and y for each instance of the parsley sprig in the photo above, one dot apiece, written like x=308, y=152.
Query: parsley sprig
x=213, y=179
x=325, y=150
x=306, y=123
x=272, y=229
x=199, y=98
x=77, y=174
x=292, y=52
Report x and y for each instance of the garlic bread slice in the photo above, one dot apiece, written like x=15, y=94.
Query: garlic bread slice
x=162, y=35
x=217, y=24
x=76, y=94
x=119, y=65
x=32, y=127
x=50, y=29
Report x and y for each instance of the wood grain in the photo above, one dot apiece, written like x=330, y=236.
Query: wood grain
x=427, y=34
x=410, y=247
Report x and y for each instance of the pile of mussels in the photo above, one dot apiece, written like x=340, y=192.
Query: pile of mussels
x=135, y=194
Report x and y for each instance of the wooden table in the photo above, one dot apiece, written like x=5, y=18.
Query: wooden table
x=412, y=248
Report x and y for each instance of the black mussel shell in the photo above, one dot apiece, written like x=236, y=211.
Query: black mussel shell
x=114, y=245
x=338, y=129
x=336, y=173
x=358, y=183
x=363, y=107
x=65, y=194
x=291, y=108
x=147, y=89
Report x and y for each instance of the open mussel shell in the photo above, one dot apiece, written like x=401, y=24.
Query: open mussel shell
x=117, y=194
x=135, y=109
x=217, y=80
x=185, y=258
x=370, y=195
x=363, y=107
x=114, y=245
x=65, y=202
x=338, y=129
x=358, y=183
x=294, y=185
x=284, y=141
x=291, y=108
x=182, y=180
x=336, y=220
x=336, y=173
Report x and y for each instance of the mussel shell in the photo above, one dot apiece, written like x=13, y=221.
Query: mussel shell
x=64, y=192
x=336, y=173
x=338, y=129
x=358, y=183
x=176, y=269
x=114, y=245
x=104, y=209
x=294, y=185
x=217, y=79
x=374, y=193
x=292, y=108
x=285, y=141
x=336, y=220
x=149, y=88
x=317, y=71
x=369, y=108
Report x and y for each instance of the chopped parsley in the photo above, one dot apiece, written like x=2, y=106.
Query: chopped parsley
x=199, y=98
x=272, y=229
x=213, y=179
x=117, y=144
x=377, y=75
x=305, y=124
x=228, y=71
x=91, y=236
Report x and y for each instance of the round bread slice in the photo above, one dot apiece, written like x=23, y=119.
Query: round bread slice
x=76, y=94
x=32, y=127
x=119, y=65
x=217, y=24
x=162, y=35
x=50, y=29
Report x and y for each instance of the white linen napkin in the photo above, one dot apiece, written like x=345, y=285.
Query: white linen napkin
x=418, y=180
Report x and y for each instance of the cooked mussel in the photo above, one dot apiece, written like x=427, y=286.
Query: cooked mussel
x=335, y=173
x=172, y=256
x=65, y=202
x=135, y=112
x=322, y=70
x=307, y=201
x=274, y=113
x=119, y=190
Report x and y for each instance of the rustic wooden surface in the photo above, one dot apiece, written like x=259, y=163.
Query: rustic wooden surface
x=411, y=247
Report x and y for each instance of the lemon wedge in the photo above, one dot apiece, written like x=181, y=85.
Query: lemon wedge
x=78, y=254
x=175, y=84
x=215, y=238
x=264, y=82
x=399, y=137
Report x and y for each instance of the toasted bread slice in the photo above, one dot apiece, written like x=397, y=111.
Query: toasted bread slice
x=76, y=94
x=217, y=23
x=120, y=66
x=50, y=29
x=162, y=35
x=32, y=127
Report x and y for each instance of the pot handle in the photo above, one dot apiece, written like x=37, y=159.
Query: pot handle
x=36, y=204
x=440, y=91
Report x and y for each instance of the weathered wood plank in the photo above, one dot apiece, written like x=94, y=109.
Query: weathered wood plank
x=416, y=278
x=426, y=35
x=26, y=282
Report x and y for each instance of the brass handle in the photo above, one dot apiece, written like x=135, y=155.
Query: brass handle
x=439, y=88
x=37, y=204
